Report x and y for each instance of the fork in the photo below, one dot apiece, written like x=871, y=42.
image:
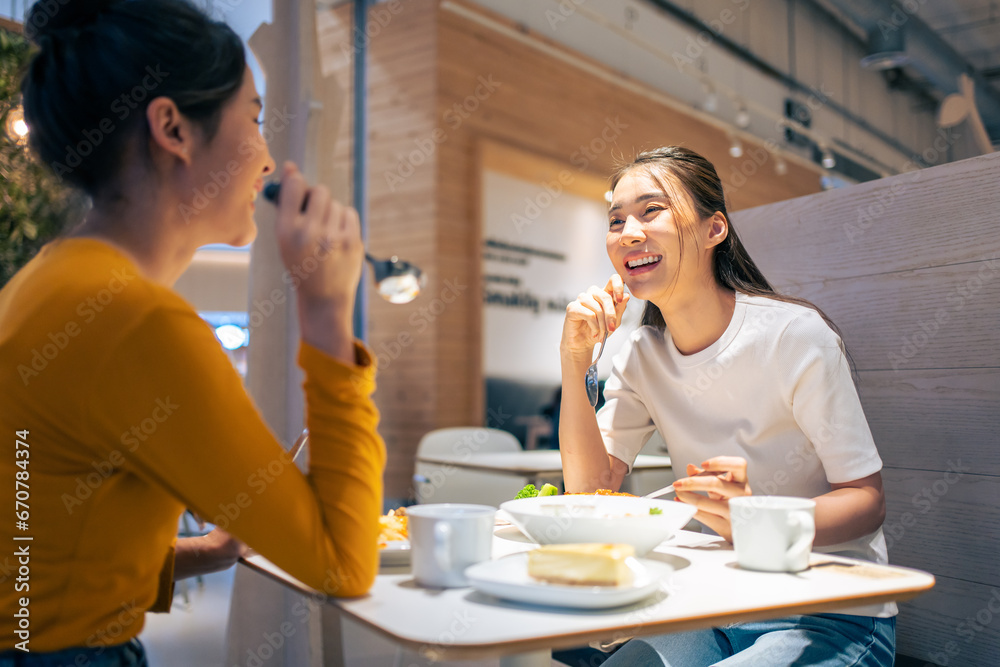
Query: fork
x=660, y=492
x=297, y=447
x=592, y=374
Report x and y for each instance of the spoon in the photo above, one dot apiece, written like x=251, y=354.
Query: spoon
x=396, y=280
x=592, y=386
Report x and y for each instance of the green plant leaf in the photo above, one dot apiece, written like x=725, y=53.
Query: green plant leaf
x=34, y=205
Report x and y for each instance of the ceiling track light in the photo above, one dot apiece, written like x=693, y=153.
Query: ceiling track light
x=828, y=160
x=742, y=119
x=711, y=102
x=735, y=147
x=742, y=116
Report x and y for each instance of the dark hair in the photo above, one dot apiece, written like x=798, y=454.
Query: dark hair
x=100, y=63
x=695, y=191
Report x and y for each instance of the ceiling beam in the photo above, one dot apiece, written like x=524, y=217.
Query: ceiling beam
x=689, y=19
x=927, y=53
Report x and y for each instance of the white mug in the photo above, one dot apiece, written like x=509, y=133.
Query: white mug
x=772, y=533
x=445, y=539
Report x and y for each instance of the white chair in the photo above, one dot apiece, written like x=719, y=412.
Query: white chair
x=442, y=483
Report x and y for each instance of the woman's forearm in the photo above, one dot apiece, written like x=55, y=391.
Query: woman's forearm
x=586, y=466
x=218, y=550
x=850, y=511
x=327, y=326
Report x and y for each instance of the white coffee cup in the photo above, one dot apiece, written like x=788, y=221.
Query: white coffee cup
x=447, y=538
x=773, y=533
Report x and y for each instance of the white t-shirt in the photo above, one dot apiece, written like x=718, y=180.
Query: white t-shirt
x=775, y=389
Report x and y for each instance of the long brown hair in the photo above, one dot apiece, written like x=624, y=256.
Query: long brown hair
x=695, y=191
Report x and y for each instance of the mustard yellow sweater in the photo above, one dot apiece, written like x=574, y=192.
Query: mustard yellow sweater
x=119, y=410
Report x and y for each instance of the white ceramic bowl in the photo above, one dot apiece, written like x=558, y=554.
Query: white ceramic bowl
x=606, y=519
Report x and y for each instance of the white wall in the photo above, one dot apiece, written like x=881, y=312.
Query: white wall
x=518, y=342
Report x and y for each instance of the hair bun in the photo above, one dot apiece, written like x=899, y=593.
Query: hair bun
x=48, y=18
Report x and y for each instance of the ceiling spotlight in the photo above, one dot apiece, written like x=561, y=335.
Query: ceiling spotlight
x=736, y=147
x=780, y=166
x=742, y=117
x=828, y=161
x=711, y=103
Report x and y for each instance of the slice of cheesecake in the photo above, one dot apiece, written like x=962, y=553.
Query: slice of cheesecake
x=582, y=564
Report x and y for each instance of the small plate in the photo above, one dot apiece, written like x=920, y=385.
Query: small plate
x=396, y=552
x=508, y=578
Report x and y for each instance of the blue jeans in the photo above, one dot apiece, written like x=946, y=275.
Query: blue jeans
x=129, y=654
x=818, y=640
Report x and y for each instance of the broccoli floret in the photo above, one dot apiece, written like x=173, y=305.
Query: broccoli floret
x=548, y=490
x=527, y=492
x=655, y=510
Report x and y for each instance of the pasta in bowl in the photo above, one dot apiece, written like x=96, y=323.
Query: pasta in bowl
x=580, y=518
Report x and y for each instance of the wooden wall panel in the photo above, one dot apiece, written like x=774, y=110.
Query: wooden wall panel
x=898, y=223
x=957, y=623
x=909, y=269
x=921, y=419
x=945, y=521
x=939, y=317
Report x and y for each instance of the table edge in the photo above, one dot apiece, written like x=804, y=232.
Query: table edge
x=475, y=651
x=555, y=642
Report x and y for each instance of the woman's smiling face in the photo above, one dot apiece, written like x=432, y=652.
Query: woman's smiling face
x=646, y=230
x=230, y=169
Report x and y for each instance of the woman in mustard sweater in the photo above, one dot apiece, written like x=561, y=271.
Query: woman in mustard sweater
x=120, y=407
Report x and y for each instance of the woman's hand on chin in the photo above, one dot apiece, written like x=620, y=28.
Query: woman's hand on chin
x=720, y=478
x=320, y=246
x=591, y=314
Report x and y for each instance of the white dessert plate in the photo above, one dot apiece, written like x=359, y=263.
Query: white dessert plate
x=508, y=578
x=396, y=552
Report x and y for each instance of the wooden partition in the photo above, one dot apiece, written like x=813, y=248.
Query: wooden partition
x=909, y=269
x=448, y=78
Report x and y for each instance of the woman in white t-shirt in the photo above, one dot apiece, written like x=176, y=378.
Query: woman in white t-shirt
x=751, y=391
